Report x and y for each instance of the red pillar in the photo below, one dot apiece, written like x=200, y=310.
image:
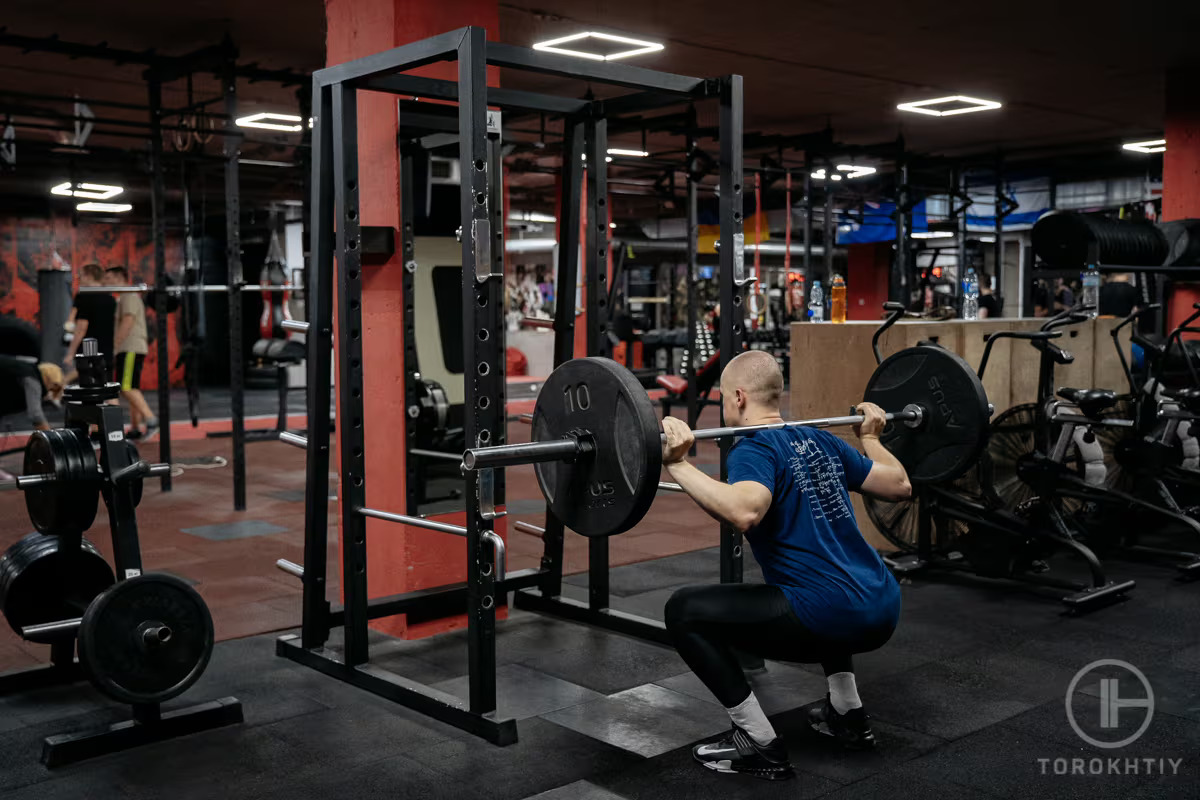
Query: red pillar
x=1181, y=171
x=867, y=269
x=400, y=559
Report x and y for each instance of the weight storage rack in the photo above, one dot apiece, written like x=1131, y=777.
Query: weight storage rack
x=336, y=231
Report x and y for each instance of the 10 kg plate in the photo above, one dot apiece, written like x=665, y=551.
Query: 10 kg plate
x=146, y=640
x=609, y=489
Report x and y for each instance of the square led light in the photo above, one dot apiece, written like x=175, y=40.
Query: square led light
x=955, y=104
x=263, y=120
x=637, y=46
x=111, y=207
x=1152, y=146
x=89, y=191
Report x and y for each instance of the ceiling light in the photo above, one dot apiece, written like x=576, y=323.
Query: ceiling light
x=972, y=104
x=90, y=191
x=113, y=207
x=835, y=177
x=262, y=120
x=639, y=46
x=618, y=151
x=819, y=175
x=612, y=224
x=856, y=171
x=933, y=235
x=1152, y=146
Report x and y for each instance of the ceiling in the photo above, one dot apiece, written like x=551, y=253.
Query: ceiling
x=1076, y=75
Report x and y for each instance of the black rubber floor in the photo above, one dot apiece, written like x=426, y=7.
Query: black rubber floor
x=969, y=701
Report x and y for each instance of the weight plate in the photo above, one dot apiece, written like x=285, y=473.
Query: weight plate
x=609, y=490
x=38, y=583
x=146, y=640
x=955, y=427
x=69, y=503
x=135, y=484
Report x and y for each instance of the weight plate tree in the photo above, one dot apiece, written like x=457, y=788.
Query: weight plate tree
x=146, y=639
x=612, y=487
x=42, y=583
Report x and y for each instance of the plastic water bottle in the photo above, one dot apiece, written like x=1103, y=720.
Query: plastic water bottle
x=816, y=303
x=837, y=297
x=1091, y=290
x=970, y=300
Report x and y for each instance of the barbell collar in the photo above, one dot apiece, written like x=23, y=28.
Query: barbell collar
x=506, y=455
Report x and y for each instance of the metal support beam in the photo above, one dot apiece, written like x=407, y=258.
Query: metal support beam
x=157, y=220
x=732, y=280
x=233, y=260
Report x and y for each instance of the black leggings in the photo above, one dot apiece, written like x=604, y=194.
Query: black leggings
x=709, y=623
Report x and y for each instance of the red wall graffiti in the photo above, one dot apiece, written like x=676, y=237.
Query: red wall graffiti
x=29, y=244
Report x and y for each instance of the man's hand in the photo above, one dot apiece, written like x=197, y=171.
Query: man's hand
x=678, y=442
x=874, y=421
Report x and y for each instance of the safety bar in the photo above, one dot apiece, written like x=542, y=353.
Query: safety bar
x=297, y=325
x=63, y=626
x=294, y=439
x=443, y=527
x=290, y=567
x=530, y=528
x=416, y=451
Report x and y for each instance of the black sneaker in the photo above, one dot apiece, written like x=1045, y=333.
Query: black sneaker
x=133, y=434
x=852, y=729
x=737, y=752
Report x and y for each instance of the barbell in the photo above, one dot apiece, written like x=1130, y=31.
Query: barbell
x=597, y=444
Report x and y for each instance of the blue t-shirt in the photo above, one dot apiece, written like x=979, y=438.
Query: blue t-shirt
x=808, y=544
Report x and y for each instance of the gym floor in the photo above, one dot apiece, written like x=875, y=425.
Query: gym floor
x=968, y=698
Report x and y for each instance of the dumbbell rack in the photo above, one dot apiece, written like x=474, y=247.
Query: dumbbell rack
x=86, y=406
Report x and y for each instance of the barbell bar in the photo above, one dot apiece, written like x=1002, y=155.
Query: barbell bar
x=533, y=452
x=42, y=478
x=597, y=438
x=145, y=287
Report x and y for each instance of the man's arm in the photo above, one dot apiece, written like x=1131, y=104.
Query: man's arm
x=77, y=338
x=887, y=478
x=123, y=329
x=742, y=505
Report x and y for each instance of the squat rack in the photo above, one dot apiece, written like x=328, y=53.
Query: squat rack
x=336, y=229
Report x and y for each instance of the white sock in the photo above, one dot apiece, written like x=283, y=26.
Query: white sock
x=749, y=716
x=843, y=692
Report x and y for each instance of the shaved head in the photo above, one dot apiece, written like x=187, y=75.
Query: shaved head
x=757, y=374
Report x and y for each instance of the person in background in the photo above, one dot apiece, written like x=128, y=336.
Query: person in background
x=1118, y=297
x=989, y=304
x=23, y=381
x=94, y=315
x=1064, y=298
x=131, y=345
x=1041, y=299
